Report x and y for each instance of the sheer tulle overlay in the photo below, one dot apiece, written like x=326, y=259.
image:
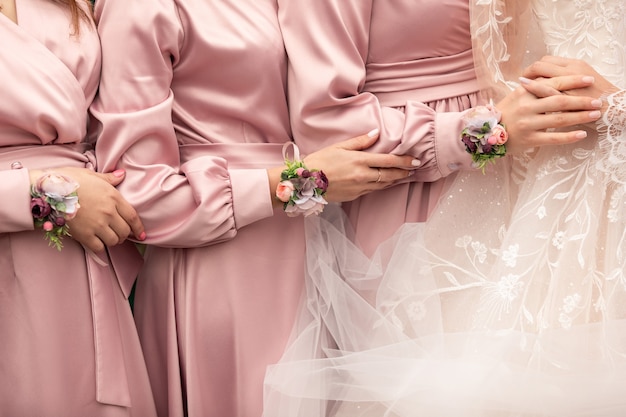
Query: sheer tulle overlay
x=509, y=301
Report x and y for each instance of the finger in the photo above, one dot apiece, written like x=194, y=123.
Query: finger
x=546, y=69
x=129, y=215
x=114, y=178
x=565, y=119
x=360, y=143
x=385, y=160
x=92, y=243
x=557, y=138
x=384, y=177
x=558, y=60
x=120, y=228
x=537, y=88
x=545, y=87
x=379, y=175
x=109, y=236
x=567, y=103
x=392, y=175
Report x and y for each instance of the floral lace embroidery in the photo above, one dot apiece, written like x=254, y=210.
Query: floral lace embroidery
x=592, y=30
x=571, y=222
x=613, y=146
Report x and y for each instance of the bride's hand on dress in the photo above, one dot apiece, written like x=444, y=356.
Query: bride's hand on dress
x=104, y=218
x=536, y=121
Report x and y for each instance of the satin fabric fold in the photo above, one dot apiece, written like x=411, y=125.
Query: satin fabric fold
x=114, y=270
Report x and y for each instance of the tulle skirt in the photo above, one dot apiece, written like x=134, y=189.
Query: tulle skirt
x=509, y=301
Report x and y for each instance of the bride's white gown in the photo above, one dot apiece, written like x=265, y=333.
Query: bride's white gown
x=509, y=301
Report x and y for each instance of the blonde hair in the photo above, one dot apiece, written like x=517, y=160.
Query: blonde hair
x=78, y=12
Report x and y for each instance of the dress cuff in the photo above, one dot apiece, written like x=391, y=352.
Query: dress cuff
x=451, y=153
x=251, y=197
x=16, y=215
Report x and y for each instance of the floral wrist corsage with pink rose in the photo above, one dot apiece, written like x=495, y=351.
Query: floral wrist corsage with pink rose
x=53, y=202
x=301, y=189
x=484, y=136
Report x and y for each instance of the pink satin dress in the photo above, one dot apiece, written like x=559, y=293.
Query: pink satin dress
x=193, y=105
x=68, y=343
x=402, y=66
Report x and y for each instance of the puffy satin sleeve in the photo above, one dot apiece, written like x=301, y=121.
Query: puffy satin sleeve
x=328, y=43
x=182, y=204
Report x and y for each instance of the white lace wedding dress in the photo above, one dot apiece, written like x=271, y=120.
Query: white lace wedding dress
x=509, y=301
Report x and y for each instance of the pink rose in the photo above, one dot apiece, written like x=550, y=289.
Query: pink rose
x=499, y=135
x=284, y=191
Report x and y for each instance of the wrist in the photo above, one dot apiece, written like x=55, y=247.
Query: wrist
x=54, y=201
x=273, y=175
x=301, y=190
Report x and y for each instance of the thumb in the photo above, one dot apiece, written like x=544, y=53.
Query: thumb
x=360, y=142
x=114, y=178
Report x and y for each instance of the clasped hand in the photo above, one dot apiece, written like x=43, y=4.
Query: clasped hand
x=556, y=98
x=105, y=218
x=353, y=173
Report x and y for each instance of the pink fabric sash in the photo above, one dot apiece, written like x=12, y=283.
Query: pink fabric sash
x=422, y=80
x=118, y=266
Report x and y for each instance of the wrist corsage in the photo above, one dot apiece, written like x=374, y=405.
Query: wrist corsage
x=54, y=201
x=301, y=189
x=484, y=136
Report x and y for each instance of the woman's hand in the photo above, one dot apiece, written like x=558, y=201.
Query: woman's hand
x=351, y=171
x=531, y=121
x=105, y=218
x=558, y=73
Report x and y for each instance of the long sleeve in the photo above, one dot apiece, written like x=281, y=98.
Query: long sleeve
x=182, y=203
x=333, y=72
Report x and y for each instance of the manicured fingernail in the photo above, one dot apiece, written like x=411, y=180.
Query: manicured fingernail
x=416, y=162
x=373, y=133
x=524, y=80
x=595, y=114
x=596, y=103
x=142, y=236
x=588, y=79
x=118, y=172
x=581, y=134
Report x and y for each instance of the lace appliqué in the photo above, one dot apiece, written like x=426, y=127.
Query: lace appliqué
x=612, y=129
x=591, y=30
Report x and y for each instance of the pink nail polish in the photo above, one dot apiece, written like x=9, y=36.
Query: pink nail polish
x=596, y=103
x=142, y=236
x=119, y=172
x=588, y=79
x=581, y=134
